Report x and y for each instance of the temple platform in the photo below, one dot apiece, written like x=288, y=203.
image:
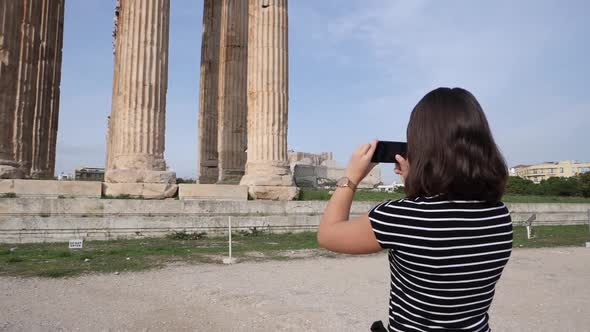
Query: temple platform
x=213, y=191
x=50, y=188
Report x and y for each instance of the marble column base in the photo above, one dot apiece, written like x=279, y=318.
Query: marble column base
x=140, y=190
x=230, y=176
x=209, y=174
x=10, y=170
x=139, y=176
x=270, y=181
x=275, y=193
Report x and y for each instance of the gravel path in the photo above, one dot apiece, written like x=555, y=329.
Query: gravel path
x=542, y=290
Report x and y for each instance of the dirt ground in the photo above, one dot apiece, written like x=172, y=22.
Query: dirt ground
x=542, y=290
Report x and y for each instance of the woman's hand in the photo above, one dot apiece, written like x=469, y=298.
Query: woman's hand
x=401, y=167
x=360, y=163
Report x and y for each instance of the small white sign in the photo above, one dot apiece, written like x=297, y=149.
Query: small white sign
x=76, y=244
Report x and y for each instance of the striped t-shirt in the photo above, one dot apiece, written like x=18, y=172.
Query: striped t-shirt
x=445, y=259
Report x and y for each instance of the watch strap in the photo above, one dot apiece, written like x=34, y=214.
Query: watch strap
x=347, y=183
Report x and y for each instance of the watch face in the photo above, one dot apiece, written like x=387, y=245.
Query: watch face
x=342, y=182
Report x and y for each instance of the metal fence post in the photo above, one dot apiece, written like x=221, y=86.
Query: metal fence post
x=529, y=226
x=230, y=259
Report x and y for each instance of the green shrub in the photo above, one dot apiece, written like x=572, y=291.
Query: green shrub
x=182, y=180
x=584, y=184
x=554, y=186
x=559, y=186
x=14, y=260
x=187, y=236
x=519, y=186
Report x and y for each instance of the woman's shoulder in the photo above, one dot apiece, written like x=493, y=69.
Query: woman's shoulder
x=439, y=202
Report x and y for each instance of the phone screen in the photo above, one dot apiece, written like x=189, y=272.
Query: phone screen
x=385, y=151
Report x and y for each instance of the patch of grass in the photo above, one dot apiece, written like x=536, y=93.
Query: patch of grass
x=375, y=196
x=314, y=195
x=57, y=273
x=552, y=236
x=8, y=195
x=61, y=254
x=55, y=260
x=253, y=231
x=544, y=199
x=186, y=236
x=14, y=259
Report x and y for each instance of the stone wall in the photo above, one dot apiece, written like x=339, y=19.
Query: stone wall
x=50, y=220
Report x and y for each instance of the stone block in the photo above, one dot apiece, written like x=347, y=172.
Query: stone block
x=139, y=176
x=306, y=181
x=213, y=191
x=304, y=170
x=275, y=193
x=269, y=178
x=25, y=219
x=51, y=188
x=10, y=171
x=140, y=190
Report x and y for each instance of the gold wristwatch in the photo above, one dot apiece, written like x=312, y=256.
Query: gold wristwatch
x=345, y=182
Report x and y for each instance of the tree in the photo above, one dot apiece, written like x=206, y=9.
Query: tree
x=519, y=186
x=584, y=184
x=560, y=186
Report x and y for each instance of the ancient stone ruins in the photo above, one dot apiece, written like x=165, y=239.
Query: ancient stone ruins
x=31, y=37
x=243, y=108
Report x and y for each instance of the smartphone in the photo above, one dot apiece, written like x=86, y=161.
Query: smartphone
x=385, y=151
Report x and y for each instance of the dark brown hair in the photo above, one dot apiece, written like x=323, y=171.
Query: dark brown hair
x=451, y=150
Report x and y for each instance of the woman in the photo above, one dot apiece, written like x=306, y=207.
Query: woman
x=451, y=236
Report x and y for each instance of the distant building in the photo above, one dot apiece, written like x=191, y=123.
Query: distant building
x=390, y=188
x=89, y=174
x=65, y=177
x=514, y=169
x=544, y=171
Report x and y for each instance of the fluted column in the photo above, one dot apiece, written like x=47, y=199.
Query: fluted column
x=10, y=15
x=55, y=83
x=111, y=118
x=47, y=89
x=137, y=123
x=209, y=85
x=233, y=106
x=108, y=140
x=28, y=68
x=267, y=169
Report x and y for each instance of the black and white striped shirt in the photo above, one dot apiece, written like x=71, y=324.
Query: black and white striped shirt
x=445, y=258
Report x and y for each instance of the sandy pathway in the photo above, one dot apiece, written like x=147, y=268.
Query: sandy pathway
x=542, y=290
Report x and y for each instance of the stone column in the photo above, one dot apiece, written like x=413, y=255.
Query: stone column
x=267, y=170
x=108, y=144
x=233, y=101
x=29, y=44
x=208, y=157
x=47, y=89
x=55, y=84
x=139, y=102
x=10, y=15
x=110, y=119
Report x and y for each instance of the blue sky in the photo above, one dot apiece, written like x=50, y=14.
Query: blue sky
x=357, y=68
